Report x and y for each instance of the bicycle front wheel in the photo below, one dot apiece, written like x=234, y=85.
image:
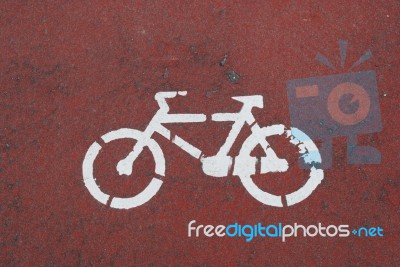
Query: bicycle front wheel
x=307, y=150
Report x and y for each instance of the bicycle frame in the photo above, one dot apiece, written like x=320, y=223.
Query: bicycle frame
x=162, y=116
x=244, y=116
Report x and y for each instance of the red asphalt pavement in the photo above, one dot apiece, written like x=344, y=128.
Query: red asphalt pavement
x=72, y=71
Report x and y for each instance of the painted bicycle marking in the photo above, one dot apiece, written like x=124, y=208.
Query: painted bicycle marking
x=220, y=165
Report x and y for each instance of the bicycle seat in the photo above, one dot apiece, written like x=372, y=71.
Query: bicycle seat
x=251, y=100
x=161, y=97
x=170, y=94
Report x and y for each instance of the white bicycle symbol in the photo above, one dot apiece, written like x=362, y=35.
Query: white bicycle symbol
x=219, y=165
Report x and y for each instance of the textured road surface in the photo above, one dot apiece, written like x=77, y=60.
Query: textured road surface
x=72, y=71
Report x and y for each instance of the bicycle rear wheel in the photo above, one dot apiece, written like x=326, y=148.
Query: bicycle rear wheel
x=120, y=202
